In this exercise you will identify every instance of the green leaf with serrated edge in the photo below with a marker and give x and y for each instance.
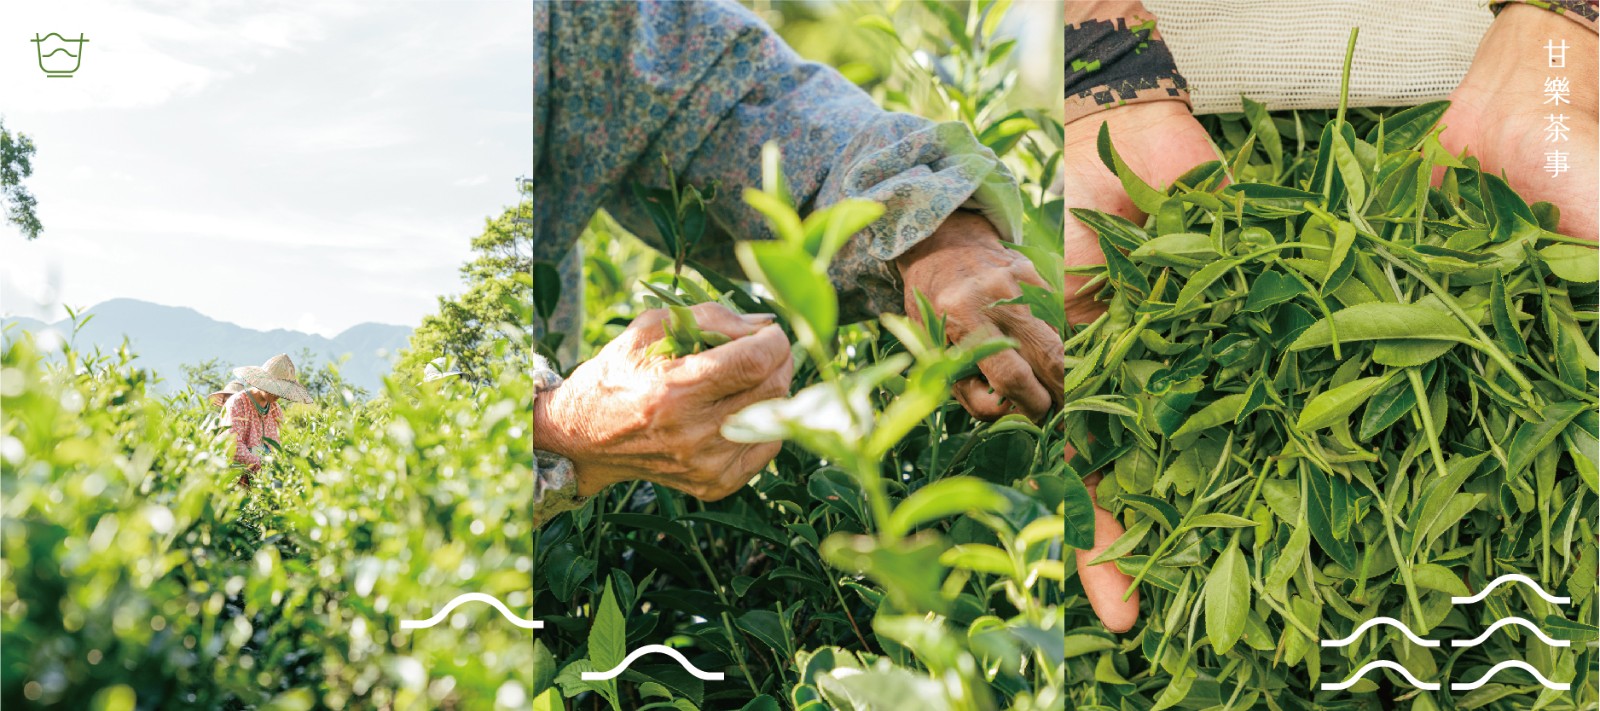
(1507, 212)
(1337, 403)
(946, 497)
(1271, 288)
(1120, 271)
(1386, 408)
(1405, 129)
(1154, 508)
(1125, 542)
(1118, 230)
(1574, 263)
(1227, 598)
(1379, 321)
(1221, 411)
(1144, 197)
(1266, 131)
(1328, 506)
(1078, 509)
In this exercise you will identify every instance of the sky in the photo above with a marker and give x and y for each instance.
(301, 165)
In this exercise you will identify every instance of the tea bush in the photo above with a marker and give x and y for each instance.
(898, 556)
(137, 575)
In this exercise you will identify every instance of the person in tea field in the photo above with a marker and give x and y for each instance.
(253, 414)
(619, 88)
(220, 398)
(1122, 72)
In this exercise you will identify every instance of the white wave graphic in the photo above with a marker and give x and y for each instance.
(1369, 624)
(1512, 663)
(1385, 664)
(471, 597)
(1518, 621)
(1510, 578)
(652, 649)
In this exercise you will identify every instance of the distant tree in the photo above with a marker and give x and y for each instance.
(466, 327)
(322, 379)
(207, 376)
(16, 163)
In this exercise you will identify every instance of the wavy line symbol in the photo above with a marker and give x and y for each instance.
(1513, 664)
(1369, 624)
(1510, 621)
(1510, 578)
(60, 51)
(1386, 664)
(471, 597)
(652, 649)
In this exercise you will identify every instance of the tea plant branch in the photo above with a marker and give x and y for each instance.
(1424, 413)
(1338, 121)
(722, 596)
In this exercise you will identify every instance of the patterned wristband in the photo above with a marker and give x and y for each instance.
(1583, 12)
(1118, 61)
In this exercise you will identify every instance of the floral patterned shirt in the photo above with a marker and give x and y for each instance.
(617, 86)
(250, 428)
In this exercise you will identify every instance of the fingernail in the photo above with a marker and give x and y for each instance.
(759, 318)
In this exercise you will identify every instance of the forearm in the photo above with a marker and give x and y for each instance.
(1115, 56)
(556, 486)
(242, 455)
(704, 86)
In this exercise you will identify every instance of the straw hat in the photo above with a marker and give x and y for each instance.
(275, 376)
(221, 396)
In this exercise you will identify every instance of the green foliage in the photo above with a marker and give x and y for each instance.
(896, 554)
(1329, 392)
(137, 575)
(472, 328)
(16, 163)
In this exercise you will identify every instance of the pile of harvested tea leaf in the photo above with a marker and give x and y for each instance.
(1329, 392)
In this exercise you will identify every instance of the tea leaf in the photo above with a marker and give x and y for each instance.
(1227, 598)
(1381, 321)
(1144, 197)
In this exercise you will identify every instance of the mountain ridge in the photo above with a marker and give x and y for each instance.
(168, 337)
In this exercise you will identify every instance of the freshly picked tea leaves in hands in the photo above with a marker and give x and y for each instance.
(1328, 391)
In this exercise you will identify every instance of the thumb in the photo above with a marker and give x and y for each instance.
(1104, 584)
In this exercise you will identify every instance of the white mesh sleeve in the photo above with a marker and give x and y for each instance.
(1288, 54)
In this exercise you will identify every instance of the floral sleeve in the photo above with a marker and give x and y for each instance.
(619, 85)
(242, 420)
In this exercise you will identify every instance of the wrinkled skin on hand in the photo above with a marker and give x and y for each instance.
(625, 415)
(1499, 113)
(1160, 141)
(963, 269)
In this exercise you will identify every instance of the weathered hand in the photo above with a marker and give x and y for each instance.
(624, 415)
(963, 269)
(1159, 140)
(1500, 112)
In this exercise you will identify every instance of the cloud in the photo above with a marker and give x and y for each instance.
(347, 151)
